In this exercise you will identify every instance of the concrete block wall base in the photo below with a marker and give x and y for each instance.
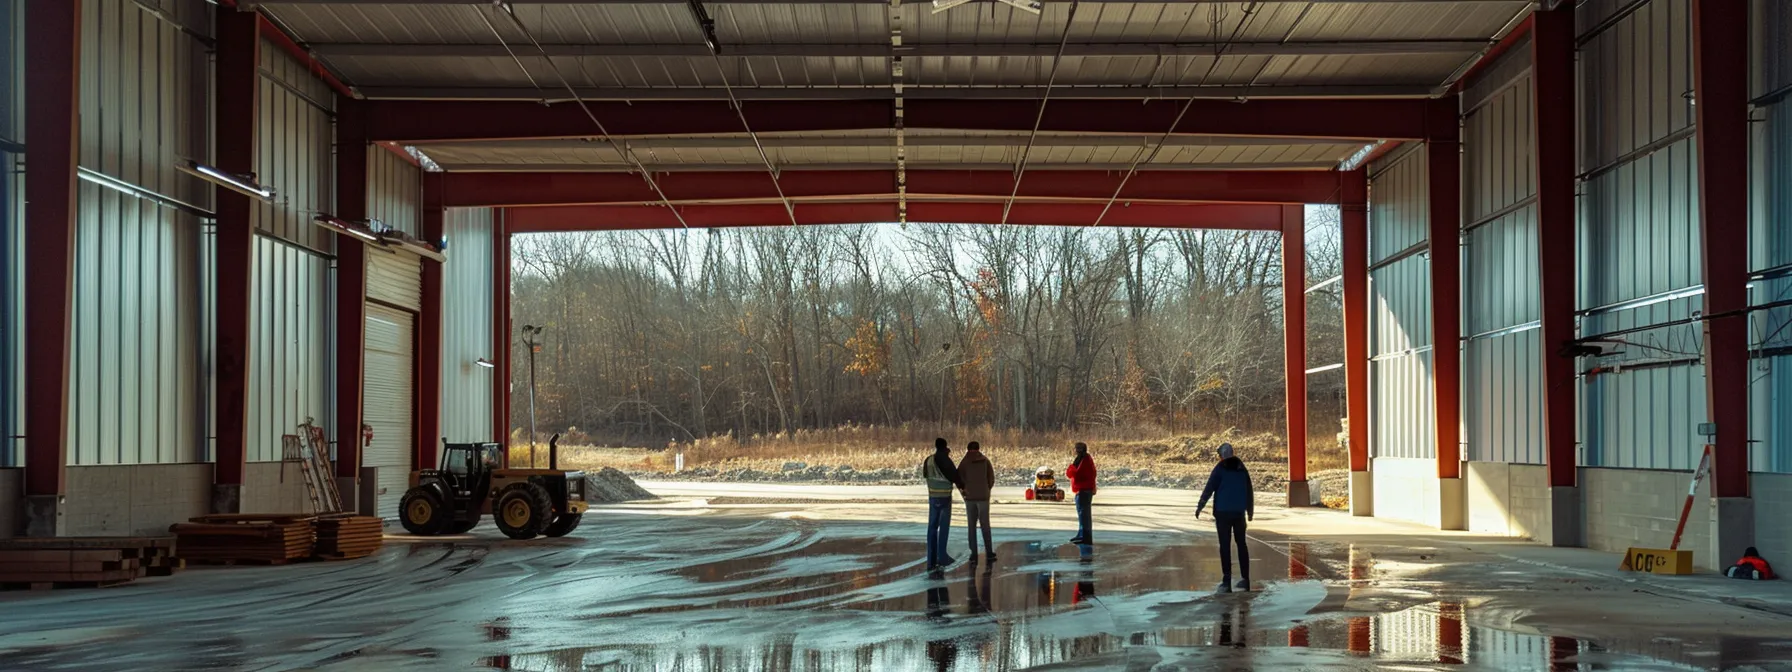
(350, 489)
(1564, 517)
(43, 516)
(1362, 494)
(1732, 531)
(1452, 504)
(1300, 493)
(227, 498)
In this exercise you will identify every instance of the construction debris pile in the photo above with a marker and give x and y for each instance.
(84, 562)
(277, 538)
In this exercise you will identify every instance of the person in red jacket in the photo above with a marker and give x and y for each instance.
(1081, 473)
(1751, 566)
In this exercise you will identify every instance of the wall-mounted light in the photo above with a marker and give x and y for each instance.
(243, 184)
(135, 191)
(341, 225)
(486, 363)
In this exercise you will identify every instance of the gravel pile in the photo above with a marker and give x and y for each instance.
(609, 485)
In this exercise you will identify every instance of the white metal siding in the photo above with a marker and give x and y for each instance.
(295, 156)
(1502, 394)
(1639, 232)
(387, 400)
(289, 341)
(135, 362)
(1771, 236)
(12, 279)
(1402, 418)
(395, 278)
(467, 326)
(394, 191)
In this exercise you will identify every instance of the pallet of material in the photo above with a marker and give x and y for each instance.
(343, 537)
(83, 562)
(270, 539)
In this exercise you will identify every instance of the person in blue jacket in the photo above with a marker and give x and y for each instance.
(1234, 502)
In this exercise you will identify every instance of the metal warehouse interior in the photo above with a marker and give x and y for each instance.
(1610, 182)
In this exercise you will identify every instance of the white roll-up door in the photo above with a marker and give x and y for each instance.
(395, 278)
(387, 401)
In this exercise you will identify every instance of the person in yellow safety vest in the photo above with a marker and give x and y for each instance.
(941, 476)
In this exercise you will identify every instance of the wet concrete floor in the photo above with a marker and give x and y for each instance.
(667, 587)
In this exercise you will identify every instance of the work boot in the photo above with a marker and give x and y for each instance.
(1225, 586)
(1244, 585)
(972, 558)
(992, 557)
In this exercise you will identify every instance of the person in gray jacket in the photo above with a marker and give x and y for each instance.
(1234, 502)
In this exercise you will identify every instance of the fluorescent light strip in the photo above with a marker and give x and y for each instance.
(485, 363)
(135, 191)
(1325, 283)
(1647, 301)
(227, 180)
(1323, 369)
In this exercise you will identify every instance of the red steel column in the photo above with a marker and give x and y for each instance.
(1354, 205)
(1721, 87)
(1552, 81)
(52, 132)
(351, 294)
(1294, 347)
(1720, 83)
(239, 90)
(1444, 157)
(429, 335)
(1449, 633)
(501, 354)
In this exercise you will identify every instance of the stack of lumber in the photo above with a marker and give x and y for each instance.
(246, 538)
(84, 562)
(342, 536)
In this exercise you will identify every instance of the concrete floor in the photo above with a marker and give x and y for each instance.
(787, 577)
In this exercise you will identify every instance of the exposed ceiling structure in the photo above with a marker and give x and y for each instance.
(889, 85)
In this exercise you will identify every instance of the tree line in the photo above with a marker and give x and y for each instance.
(657, 336)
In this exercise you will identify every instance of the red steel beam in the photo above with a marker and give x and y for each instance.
(1495, 52)
(351, 285)
(1444, 157)
(1720, 82)
(1242, 186)
(441, 121)
(52, 132)
(428, 432)
(501, 327)
(1552, 81)
(1355, 225)
(1294, 340)
(632, 217)
(238, 105)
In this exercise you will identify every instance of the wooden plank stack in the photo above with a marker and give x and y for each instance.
(246, 538)
(343, 536)
(84, 562)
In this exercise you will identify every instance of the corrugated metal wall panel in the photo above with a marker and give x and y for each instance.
(295, 156)
(394, 191)
(467, 325)
(1502, 400)
(289, 340)
(1773, 47)
(1639, 234)
(1772, 247)
(11, 215)
(395, 278)
(134, 361)
(1398, 220)
(388, 388)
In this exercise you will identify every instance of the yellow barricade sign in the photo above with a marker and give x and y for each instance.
(1657, 561)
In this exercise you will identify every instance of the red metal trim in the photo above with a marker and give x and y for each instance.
(238, 109)
(351, 284)
(628, 217)
(535, 189)
(410, 122)
(501, 331)
(52, 131)
(1355, 224)
(429, 336)
(286, 44)
(1294, 335)
(1552, 81)
(1720, 81)
(1493, 54)
(1444, 156)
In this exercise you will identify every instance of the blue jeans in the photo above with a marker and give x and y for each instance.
(939, 526)
(1082, 514)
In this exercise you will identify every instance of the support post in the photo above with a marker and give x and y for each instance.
(351, 296)
(1354, 206)
(1552, 82)
(1294, 348)
(52, 132)
(238, 111)
(1449, 633)
(1444, 157)
(429, 335)
(501, 328)
(1720, 85)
